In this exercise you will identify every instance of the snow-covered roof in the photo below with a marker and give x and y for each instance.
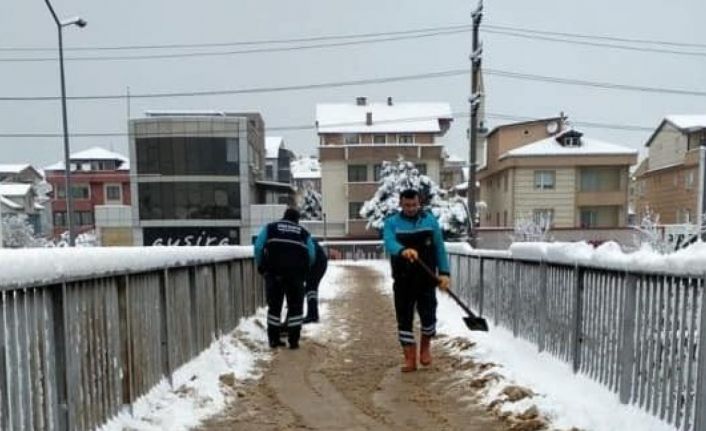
(9, 203)
(94, 153)
(13, 189)
(398, 117)
(305, 168)
(14, 169)
(272, 146)
(688, 122)
(551, 147)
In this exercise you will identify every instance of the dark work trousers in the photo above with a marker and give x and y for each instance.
(312, 298)
(409, 295)
(276, 288)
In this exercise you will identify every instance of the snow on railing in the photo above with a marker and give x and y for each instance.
(635, 323)
(86, 332)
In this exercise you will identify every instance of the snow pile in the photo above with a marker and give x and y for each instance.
(305, 168)
(201, 387)
(41, 265)
(688, 261)
(566, 399)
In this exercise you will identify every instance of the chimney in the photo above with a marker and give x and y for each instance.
(368, 118)
(389, 101)
(361, 101)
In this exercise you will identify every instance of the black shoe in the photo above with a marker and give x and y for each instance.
(294, 345)
(311, 319)
(276, 343)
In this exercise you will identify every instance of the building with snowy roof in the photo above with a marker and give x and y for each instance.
(546, 171)
(277, 170)
(99, 177)
(354, 140)
(668, 184)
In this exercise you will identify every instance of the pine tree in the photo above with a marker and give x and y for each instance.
(397, 176)
(310, 203)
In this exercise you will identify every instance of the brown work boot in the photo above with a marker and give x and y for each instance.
(425, 351)
(410, 358)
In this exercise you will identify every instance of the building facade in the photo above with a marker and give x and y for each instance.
(668, 184)
(278, 176)
(354, 140)
(33, 203)
(195, 176)
(98, 177)
(543, 171)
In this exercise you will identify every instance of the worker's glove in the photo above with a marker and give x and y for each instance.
(444, 282)
(410, 254)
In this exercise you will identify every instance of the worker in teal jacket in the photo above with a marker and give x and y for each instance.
(284, 253)
(410, 235)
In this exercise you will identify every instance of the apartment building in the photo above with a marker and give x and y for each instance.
(354, 140)
(15, 198)
(196, 175)
(553, 174)
(669, 182)
(278, 173)
(98, 177)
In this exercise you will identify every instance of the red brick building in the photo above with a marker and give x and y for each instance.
(98, 177)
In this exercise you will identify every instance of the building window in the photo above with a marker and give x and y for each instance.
(544, 180)
(357, 173)
(589, 218)
(377, 172)
(113, 193)
(505, 181)
(421, 168)
(351, 139)
(543, 217)
(189, 200)
(188, 155)
(688, 180)
(60, 218)
(505, 218)
(83, 218)
(379, 139)
(80, 191)
(269, 172)
(354, 210)
(599, 180)
(406, 139)
(683, 215)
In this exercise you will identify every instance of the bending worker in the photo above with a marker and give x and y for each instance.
(410, 235)
(284, 252)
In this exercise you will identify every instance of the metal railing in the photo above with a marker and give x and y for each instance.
(74, 352)
(641, 334)
(354, 250)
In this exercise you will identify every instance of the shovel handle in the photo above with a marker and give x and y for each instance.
(449, 291)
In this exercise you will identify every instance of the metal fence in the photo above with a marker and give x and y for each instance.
(640, 334)
(354, 250)
(74, 352)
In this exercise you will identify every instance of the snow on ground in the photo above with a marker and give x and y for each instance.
(566, 399)
(331, 286)
(197, 391)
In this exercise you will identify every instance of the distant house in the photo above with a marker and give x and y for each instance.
(277, 172)
(452, 172)
(668, 184)
(354, 140)
(306, 171)
(545, 171)
(98, 177)
(16, 199)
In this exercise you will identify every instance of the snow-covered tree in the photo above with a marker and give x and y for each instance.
(652, 234)
(85, 239)
(395, 177)
(533, 228)
(17, 232)
(310, 202)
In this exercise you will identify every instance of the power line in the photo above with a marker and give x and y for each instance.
(338, 84)
(596, 36)
(239, 52)
(243, 43)
(304, 127)
(596, 44)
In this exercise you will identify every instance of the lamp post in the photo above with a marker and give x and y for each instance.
(79, 22)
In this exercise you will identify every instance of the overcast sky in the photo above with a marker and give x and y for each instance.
(27, 24)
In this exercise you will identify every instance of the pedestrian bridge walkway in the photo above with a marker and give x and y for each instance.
(84, 333)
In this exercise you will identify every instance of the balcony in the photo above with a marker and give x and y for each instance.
(617, 197)
(380, 152)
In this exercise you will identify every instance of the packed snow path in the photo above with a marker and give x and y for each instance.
(346, 376)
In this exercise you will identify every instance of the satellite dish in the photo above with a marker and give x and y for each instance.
(552, 127)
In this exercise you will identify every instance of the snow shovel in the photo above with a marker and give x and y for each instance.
(473, 322)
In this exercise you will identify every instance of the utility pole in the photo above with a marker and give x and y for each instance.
(474, 101)
(702, 191)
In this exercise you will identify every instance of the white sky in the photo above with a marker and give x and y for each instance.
(28, 24)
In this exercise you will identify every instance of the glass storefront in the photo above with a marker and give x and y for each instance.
(184, 155)
(189, 200)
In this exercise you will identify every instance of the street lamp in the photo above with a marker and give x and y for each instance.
(79, 22)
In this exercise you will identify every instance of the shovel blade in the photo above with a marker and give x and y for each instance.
(476, 323)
